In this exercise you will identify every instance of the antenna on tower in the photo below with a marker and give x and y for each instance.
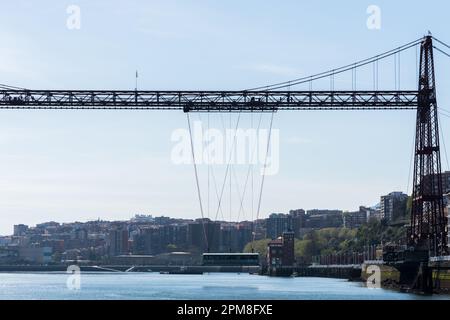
(136, 86)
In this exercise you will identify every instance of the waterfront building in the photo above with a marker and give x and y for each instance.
(445, 177)
(228, 238)
(280, 251)
(38, 255)
(356, 219)
(393, 205)
(172, 236)
(319, 219)
(147, 241)
(260, 229)
(9, 254)
(277, 223)
(118, 241)
(204, 234)
(298, 217)
(244, 235)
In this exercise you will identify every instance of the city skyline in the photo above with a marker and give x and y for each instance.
(147, 238)
(182, 217)
(147, 216)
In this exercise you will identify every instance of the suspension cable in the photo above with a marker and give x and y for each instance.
(264, 171)
(443, 143)
(8, 87)
(213, 176)
(251, 164)
(377, 77)
(208, 169)
(399, 71)
(338, 70)
(417, 63)
(373, 75)
(413, 148)
(252, 198)
(395, 71)
(444, 110)
(442, 51)
(441, 42)
(240, 195)
(228, 166)
(231, 178)
(197, 181)
(444, 114)
(249, 170)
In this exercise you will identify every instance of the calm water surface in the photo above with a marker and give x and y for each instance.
(208, 286)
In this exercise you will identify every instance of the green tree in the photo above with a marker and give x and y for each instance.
(258, 246)
(305, 249)
(337, 240)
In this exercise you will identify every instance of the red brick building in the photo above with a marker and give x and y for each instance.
(280, 251)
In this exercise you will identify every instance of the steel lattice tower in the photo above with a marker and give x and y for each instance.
(428, 230)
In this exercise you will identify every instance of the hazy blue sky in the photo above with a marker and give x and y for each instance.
(80, 165)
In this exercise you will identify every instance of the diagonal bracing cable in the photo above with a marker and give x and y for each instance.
(212, 174)
(197, 181)
(413, 147)
(249, 170)
(443, 143)
(264, 172)
(228, 166)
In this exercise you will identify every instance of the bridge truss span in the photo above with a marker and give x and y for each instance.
(208, 101)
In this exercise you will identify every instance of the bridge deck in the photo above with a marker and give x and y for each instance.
(208, 101)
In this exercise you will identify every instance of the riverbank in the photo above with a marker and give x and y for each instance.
(128, 268)
(390, 278)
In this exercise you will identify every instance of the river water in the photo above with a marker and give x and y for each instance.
(54, 285)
